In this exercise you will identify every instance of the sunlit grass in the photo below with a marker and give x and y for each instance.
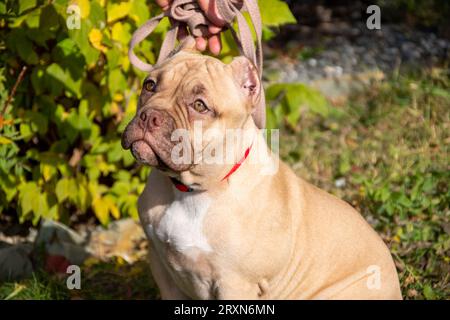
(388, 155)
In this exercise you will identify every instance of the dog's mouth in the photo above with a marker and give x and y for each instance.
(144, 153)
(153, 146)
(157, 154)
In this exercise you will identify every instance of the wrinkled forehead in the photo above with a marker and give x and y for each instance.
(192, 70)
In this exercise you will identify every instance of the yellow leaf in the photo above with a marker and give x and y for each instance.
(118, 11)
(101, 210)
(116, 32)
(85, 7)
(118, 97)
(95, 38)
(121, 33)
(104, 167)
(115, 212)
(112, 207)
(120, 261)
(104, 207)
(132, 104)
(125, 63)
(47, 171)
(91, 261)
(115, 109)
(4, 140)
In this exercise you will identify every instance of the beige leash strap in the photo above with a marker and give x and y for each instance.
(189, 13)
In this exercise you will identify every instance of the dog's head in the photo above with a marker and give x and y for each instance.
(188, 90)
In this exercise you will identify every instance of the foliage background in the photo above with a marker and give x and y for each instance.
(60, 152)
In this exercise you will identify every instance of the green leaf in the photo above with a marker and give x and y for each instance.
(66, 188)
(139, 11)
(293, 96)
(25, 5)
(4, 140)
(84, 198)
(428, 292)
(49, 19)
(61, 78)
(113, 56)
(33, 19)
(97, 15)
(81, 38)
(275, 13)
(79, 124)
(40, 207)
(8, 183)
(28, 197)
(39, 123)
(25, 131)
(52, 213)
(439, 92)
(116, 81)
(24, 47)
(115, 152)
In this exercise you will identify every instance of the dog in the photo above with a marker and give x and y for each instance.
(237, 230)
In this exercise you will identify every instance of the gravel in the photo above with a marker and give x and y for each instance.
(353, 50)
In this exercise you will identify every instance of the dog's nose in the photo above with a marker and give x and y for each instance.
(152, 119)
(155, 120)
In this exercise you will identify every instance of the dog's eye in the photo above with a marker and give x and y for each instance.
(150, 85)
(200, 106)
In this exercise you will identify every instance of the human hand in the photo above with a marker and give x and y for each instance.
(209, 7)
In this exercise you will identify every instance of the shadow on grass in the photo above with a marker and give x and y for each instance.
(114, 279)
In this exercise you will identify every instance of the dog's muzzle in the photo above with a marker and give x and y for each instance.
(148, 136)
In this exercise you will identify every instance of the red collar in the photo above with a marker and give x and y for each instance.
(184, 188)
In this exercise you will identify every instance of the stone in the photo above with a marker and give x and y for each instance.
(60, 240)
(15, 263)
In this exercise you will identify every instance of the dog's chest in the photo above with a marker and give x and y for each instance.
(181, 225)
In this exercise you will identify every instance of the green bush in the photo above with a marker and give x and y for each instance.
(60, 152)
(429, 13)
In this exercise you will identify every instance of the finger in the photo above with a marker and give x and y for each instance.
(210, 9)
(164, 4)
(215, 44)
(204, 5)
(214, 29)
(201, 43)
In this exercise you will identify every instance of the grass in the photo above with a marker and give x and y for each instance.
(100, 280)
(387, 153)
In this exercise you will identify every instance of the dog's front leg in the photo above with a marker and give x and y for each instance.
(233, 286)
(167, 286)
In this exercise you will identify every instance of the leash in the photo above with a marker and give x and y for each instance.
(189, 13)
(184, 188)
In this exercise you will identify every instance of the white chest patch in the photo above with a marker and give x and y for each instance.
(182, 223)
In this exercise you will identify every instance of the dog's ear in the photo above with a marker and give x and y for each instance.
(247, 77)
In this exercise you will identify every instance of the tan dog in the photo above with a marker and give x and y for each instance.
(241, 234)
